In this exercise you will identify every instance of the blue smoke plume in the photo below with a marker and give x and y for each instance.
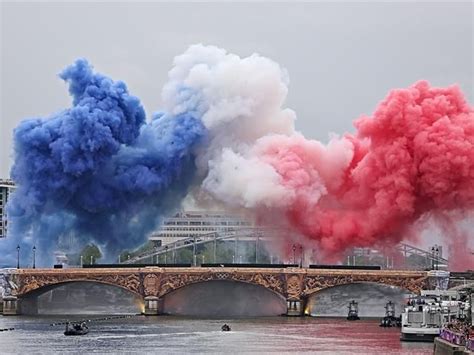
(97, 170)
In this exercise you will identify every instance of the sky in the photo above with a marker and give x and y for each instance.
(342, 57)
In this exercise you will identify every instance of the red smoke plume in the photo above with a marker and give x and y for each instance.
(414, 156)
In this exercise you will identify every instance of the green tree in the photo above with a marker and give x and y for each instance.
(90, 254)
(125, 255)
(184, 255)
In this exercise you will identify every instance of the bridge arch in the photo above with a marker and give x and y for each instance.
(371, 297)
(29, 282)
(81, 297)
(368, 283)
(218, 298)
(313, 284)
(53, 285)
(172, 282)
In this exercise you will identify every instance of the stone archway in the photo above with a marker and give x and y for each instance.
(223, 298)
(312, 284)
(80, 297)
(370, 296)
(159, 285)
(35, 280)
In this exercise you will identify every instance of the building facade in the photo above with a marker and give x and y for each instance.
(6, 188)
(188, 224)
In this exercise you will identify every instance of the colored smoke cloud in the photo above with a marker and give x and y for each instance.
(414, 157)
(99, 170)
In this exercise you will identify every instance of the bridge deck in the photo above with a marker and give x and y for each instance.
(242, 270)
(290, 282)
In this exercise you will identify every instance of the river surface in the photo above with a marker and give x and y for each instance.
(174, 335)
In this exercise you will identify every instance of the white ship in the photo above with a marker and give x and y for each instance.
(425, 315)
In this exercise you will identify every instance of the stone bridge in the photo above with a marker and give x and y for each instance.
(153, 283)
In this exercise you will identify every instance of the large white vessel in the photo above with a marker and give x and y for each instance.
(425, 315)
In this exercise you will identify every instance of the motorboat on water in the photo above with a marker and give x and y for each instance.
(353, 313)
(390, 320)
(76, 329)
(424, 316)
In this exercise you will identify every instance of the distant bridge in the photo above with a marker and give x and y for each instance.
(295, 285)
(254, 234)
(258, 235)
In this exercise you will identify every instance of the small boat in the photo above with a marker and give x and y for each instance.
(76, 329)
(390, 320)
(225, 328)
(353, 311)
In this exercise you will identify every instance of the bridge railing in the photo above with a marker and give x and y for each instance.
(200, 239)
(429, 257)
(426, 260)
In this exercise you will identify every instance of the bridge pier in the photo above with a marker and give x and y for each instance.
(10, 306)
(28, 305)
(153, 306)
(294, 308)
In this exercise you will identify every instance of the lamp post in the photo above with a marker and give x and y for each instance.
(34, 257)
(294, 253)
(194, 251)
(166, 255)
(256, 249)
(215, 247)
(435, 254)
(235, 248)
(18, 256)
(82, 261)
(432, 258)
(301, 256)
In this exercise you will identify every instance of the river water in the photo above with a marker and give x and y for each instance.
(172, 335)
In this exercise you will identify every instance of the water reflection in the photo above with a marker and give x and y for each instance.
(166, 334)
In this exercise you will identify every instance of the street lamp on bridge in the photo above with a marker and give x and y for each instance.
(194, 251)
(294, 253)
(34, 257)
(435, 255)
(18, 256)
(301, 256)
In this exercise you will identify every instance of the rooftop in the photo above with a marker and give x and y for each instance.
(7, 183)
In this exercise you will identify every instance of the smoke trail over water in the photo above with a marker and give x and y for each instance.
(98, 169)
